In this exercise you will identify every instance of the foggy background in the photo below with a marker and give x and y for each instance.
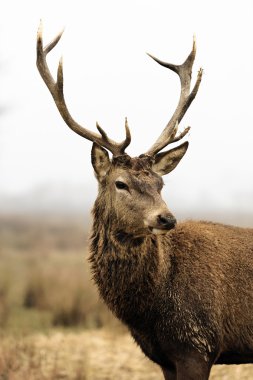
(45, 167)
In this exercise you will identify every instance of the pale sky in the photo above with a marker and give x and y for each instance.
(108, 76)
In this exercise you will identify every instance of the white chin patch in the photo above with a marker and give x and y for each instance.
(157, 231)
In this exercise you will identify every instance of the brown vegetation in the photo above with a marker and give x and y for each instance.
(87, 355)
(31, 347)
(44, 272)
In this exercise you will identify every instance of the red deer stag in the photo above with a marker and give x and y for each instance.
(184, 290)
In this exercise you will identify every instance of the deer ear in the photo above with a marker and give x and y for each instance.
(165, 162)
(100, 161)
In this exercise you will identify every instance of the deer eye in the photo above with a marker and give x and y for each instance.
(121, 185)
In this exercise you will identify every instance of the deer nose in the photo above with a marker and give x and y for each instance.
(166, 221)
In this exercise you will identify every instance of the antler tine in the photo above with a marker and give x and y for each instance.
(184, 72)
(56, 90)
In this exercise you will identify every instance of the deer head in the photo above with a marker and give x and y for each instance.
(130, 187)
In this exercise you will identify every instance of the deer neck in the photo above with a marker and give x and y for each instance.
(125, 268)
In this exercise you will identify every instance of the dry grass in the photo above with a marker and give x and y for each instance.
(90, 355)
(44, 275)
(45, 286)
(63, 287)
(4, 302)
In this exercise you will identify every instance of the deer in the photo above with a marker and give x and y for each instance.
(184, 290)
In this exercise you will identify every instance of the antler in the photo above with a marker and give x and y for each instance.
(184, 71)
(56, 89)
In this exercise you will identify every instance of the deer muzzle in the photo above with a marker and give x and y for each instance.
(166, 222)
(160, 223)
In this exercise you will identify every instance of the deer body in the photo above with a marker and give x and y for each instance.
(185, 291)
(188, 290)
(188, 293)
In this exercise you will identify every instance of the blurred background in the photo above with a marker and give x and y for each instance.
(45, 167)
(47, 187)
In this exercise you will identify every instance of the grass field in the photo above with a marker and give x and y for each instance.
(87, 355)
(52, 323)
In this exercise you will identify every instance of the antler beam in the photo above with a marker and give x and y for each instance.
(184, 72)
(56, 89)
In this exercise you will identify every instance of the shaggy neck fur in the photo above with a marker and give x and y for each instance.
(125, 267)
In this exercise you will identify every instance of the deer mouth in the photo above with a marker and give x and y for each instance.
(164, 223)
(159, 231)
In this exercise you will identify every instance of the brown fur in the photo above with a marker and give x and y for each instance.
(186, 296)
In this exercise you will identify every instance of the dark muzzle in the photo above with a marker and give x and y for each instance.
(166, 222)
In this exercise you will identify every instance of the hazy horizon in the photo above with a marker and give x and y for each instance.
(108, 76)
